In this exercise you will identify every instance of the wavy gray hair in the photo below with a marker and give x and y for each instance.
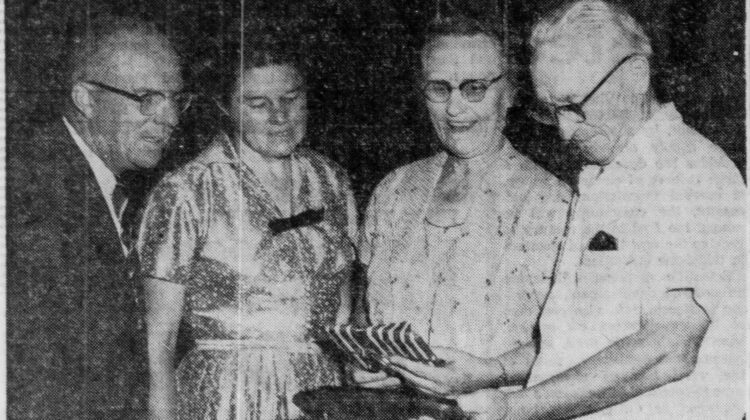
(592, 22)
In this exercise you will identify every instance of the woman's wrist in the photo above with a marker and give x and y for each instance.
(488, 373)
(497, 373)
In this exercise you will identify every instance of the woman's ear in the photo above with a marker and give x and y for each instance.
(82, 99)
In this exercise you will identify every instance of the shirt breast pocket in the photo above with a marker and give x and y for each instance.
(601, 267)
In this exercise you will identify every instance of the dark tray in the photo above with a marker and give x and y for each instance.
(333, 403)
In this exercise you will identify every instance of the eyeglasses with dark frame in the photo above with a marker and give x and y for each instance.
(152, 100)
(473, 90)
(549, 114)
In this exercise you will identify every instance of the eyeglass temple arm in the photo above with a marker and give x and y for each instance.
(605, 78)
(497, 78)
(124, 93)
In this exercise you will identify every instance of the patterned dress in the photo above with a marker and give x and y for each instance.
(256, 301)
(478, 286)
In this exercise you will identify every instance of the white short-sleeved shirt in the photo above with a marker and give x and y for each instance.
(675, 206)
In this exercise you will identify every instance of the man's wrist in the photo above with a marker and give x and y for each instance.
(486, 403)
(522, 404)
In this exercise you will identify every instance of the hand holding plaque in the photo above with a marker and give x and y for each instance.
(371, 348)
(461, 373)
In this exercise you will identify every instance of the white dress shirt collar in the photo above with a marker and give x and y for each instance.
(104, 176)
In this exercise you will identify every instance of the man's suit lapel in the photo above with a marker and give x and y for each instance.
(106, 287)
(87, 196)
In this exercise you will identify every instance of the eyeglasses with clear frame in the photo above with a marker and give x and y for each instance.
(150, 101)
(549, 114)
(473, 90)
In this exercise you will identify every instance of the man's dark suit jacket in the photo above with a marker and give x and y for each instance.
(76, 347)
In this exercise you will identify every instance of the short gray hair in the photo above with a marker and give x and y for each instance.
(592, 20)
(95, 49)
(459, 25)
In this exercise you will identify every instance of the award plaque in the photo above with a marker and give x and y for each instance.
(367, 346)
(340, 403)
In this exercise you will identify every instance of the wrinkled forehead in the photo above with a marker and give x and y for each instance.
(564, 70)
(459, 57)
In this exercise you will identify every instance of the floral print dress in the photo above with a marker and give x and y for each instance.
(256, 301)
(478, 286)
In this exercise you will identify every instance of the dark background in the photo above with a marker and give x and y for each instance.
(364, 110)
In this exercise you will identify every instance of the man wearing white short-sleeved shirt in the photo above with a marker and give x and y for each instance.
(645, 318)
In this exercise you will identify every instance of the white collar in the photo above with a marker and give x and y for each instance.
(638, 153)
(104, 177)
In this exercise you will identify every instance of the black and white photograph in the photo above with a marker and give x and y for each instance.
(375, 210)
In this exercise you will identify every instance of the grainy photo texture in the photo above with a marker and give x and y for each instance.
(340, 209)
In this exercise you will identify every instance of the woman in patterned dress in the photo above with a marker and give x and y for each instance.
(462, 244)
(251, 242)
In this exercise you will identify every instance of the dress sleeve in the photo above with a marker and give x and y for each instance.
(379, 216)
(351, 215)
(170, 230)
(369, 229)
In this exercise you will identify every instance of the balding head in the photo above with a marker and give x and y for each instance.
(118, 63)
(108, 41)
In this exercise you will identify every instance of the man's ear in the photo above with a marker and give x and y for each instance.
(82, 99)
(640, 72)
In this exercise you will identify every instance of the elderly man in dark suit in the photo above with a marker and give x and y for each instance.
(75, 347)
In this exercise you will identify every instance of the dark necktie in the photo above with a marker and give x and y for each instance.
(119, 199)
(125, 209)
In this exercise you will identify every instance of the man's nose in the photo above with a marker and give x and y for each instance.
(168, 114)
(456, 103)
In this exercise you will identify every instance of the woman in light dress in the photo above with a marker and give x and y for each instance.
(462, 244)
(251, 243)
